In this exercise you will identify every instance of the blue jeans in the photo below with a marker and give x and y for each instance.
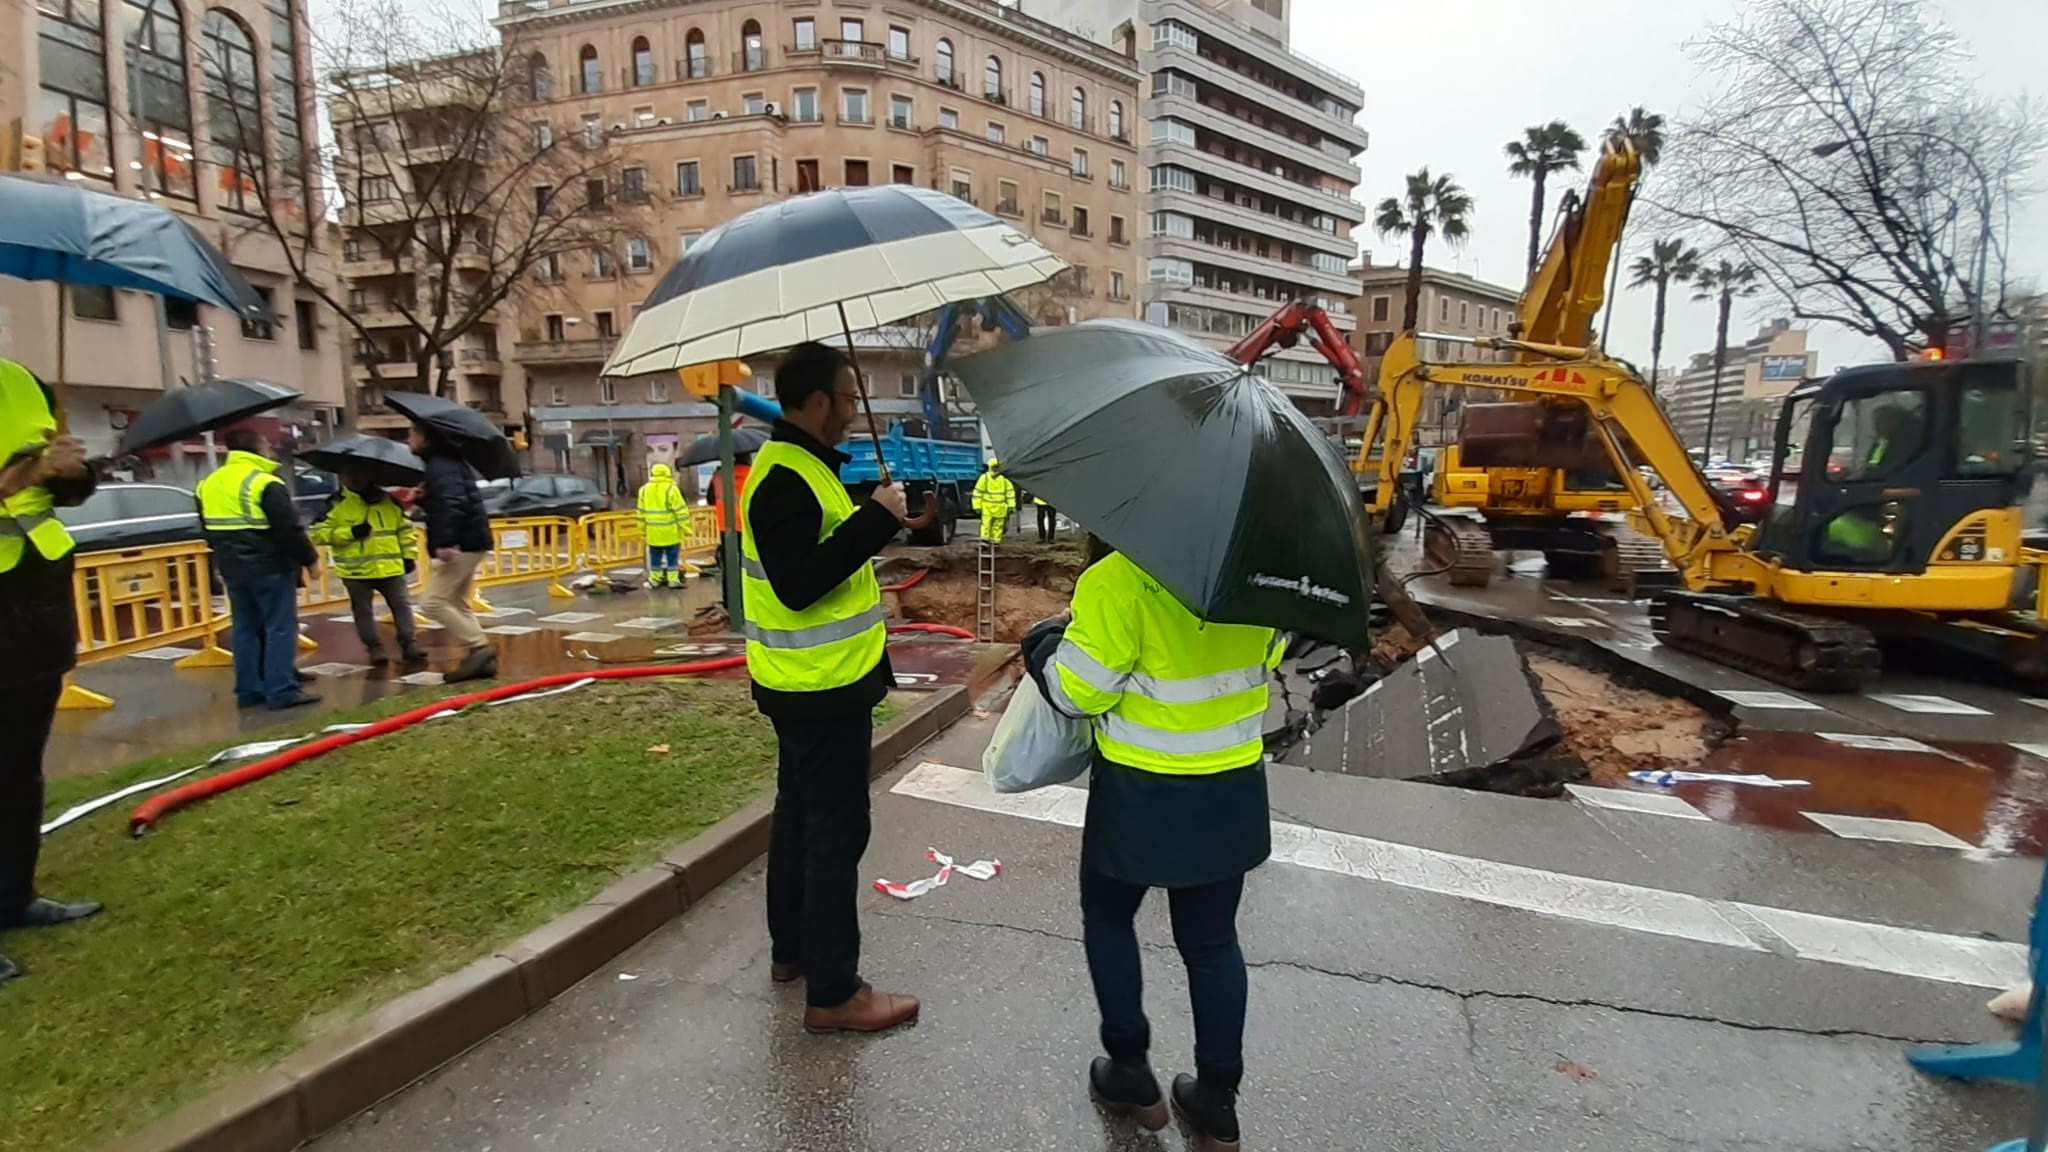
(265, 638)
(1205, 932)
(664, 557)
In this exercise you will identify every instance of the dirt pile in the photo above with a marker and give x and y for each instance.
(1033, 582)
(1617, 729)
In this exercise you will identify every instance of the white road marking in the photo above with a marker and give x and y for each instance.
(2035, 701)
(424, 679)
(593, 637)
(1906, 952)
(512, 630)
(502, 613)
(649, 623)
(1769, 700)
(1877, 743)
(1889, 831)
(2037, 750)
(335, 668)
(171, 653)
(572, 618)
(1927, 705)
(1572, 622)
(1628, 800)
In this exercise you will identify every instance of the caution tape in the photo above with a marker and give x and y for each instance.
(979, 870)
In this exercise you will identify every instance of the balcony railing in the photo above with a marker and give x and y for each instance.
(995, 94)
(946, 79)
(750, 60)
(696, 68)
(855, 53)
(564, 351)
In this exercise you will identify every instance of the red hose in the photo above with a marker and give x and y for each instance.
(912, 581)
(157, 807)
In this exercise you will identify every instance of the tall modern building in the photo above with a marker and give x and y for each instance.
(1758, 373)
(1250, 154)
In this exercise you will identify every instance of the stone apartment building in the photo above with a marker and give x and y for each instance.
(710, 109)
(1452, 304)
(1758, 374)
(170, 102)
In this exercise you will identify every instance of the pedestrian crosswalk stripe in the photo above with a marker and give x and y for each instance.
(1927, 705)
(1629, 800)
(1769, 700)
(1890, 831)
(1910, 952)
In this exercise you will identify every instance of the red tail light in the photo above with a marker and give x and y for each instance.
(1753, 494)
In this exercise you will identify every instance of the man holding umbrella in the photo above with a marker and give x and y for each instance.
(458, 537)
(374, 548)
(259, 549)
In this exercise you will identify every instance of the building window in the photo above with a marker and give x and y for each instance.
(1167, 178)
(93, 302)
(543, 136)
(754, 103)
(1077, 109)
(744, 176)
(558, 395)
(856, 173)
(899, 43)
(803, 104)
(1173, 34)
(942, 64)
(638, 258)
(683, 242)
(1380, 305)
(540, 83)
(180, 314)
(633, 184)
(1080, 164)
(254, 328)
(1116, 121)
(1328, 262)
(1167, 82)
(1171, 271)
(601, 263)
(1081, 222)
(963, 185)
(1116, 231)
(234, 112)
(594, 195)
(906, 384)
(1443, 310)
(552, 325)
(900, 112)
(995, 132)
(807, 178)
(1038, 144)
(643, 62)
(696, 57)
(643, 116)
(549, 270)
(158, 97)
(992, 80)
(1170, 131)
(697, 110)
(1053, 212)
(1464, 313)
(853, 106)
(949, 119)
(1116, 286)
(902, 174)
(302, 323)
(687, 183)
(803, 34)
(851, 30)
(607, 390)
(657, 390)
(1119, 176)
(72, 51)
(376, 189)
(1173, 224)
(1006, 197)
(606, 327)
(753, 54)
(1037, 104)
(589, 77)
(593, 130)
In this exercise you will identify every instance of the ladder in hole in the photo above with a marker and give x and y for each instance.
(985, 592)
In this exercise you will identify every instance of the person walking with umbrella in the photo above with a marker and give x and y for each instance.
(374, 548)
(995, 497)
(663, 514)
(458, 538)
(259, 550)
(38, 631)
(816, 652)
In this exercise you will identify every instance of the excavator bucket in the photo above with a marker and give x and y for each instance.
(1528, 435)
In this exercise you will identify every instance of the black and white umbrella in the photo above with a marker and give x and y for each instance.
(815, 266)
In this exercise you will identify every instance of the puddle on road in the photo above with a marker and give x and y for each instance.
(1991, 795)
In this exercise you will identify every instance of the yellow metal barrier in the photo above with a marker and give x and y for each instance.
(138, 600)
(610, 540)
(530, 548)
(703, 537)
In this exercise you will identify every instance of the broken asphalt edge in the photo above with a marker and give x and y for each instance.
(341, 1073)
(1627, 672)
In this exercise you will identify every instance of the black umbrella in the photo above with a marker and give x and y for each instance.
(704, 449)
(1204, 474)
(382, 459)
(187, 412)
(465, 430)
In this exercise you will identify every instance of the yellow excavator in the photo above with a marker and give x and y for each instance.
(1903, 527)
(1529, 470)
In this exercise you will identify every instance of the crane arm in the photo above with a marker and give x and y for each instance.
(1287, 326)
(1565, 294)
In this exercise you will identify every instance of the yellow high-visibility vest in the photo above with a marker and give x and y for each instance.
(835, 641)
(29, 516)
(382, 554)
(231, 499)
(1169, 692)
(663, 511)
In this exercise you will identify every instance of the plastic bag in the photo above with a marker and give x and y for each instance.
(1035, 744)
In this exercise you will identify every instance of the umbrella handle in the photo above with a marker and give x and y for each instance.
(860, 383)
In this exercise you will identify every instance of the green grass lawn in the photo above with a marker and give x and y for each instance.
(250, 920)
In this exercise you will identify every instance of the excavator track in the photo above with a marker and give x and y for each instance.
(1633, 563)
(1461, 549)
(1796, 649)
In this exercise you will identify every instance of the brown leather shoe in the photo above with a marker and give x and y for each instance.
(866, 1011)
(784, 973)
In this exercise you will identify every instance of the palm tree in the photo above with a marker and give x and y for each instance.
(1642, 128)
(1668, 261)
(1721, 282)
(1431, 204)
(1542, 150)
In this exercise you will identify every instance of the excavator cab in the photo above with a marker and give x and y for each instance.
(1903, 469)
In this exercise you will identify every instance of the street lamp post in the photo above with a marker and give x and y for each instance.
(1978, 315)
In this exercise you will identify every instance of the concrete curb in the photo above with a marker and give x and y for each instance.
(339, 1074)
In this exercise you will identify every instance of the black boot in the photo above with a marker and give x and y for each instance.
(9, 970)
(1207, 1108)
(477, 664)
(1129, 1089)
(43, 912)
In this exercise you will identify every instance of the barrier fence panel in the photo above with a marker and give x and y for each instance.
(530, 548)
(610, 540)
(703, 538)
(143, 599)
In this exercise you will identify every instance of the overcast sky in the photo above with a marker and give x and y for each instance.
(1448, 82)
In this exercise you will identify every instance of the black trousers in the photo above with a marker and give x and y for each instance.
(1205, 932)
(1048, 523)
(362, 601)
(819, 833)
(27, 709)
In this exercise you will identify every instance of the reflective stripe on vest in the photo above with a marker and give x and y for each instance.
(837, 640)
(379, 555)
(26, 517)
(243, 512)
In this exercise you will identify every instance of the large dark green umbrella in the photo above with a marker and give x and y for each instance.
(1202, 473)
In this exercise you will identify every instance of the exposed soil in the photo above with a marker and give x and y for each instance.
(1033, 582)
(1616, 729)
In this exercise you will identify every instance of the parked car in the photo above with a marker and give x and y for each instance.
(570, 496)
(118, 517)
(1749, 495)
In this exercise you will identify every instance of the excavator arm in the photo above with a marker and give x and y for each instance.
(1287, 327)
(1566, 292)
